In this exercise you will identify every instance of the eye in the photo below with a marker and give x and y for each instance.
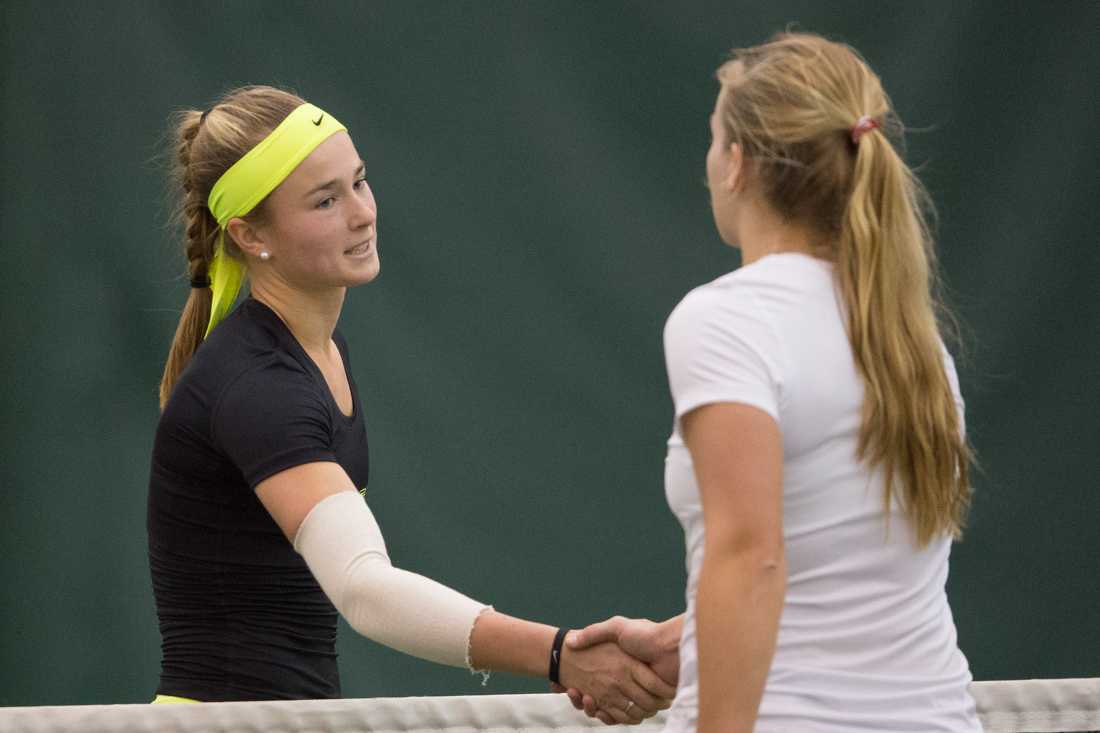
(324, 204)
(361, 180)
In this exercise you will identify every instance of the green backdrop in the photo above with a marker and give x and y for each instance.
(538, 167)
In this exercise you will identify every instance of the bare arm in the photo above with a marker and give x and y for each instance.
(738, 458)
(290, 495)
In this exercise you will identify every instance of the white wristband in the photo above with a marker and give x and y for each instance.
(343, 547)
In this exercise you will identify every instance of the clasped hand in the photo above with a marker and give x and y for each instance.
(619, 671)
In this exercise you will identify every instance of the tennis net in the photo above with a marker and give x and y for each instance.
(1023, 706)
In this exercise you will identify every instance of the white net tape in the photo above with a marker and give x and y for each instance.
(1031, 706)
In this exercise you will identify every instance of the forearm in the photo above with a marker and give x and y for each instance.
(738, 604)
(343, 547)
(503, 643)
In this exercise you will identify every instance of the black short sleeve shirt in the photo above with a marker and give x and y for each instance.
(241, 616)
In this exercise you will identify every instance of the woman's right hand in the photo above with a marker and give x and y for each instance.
(627, 690)
(656, 644)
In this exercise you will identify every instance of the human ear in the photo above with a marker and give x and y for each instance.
(247, 237)
(734, 178)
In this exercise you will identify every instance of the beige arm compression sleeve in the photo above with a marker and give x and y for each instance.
(343, 547)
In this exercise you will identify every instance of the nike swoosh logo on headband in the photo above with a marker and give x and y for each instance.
(318, 120)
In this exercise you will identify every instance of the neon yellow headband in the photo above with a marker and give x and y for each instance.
(248, 181)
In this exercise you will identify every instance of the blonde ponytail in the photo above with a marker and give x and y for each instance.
(885, 273)
(802, 107)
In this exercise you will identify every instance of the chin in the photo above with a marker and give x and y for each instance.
(368, 274)
(354, 279)
(353, 282)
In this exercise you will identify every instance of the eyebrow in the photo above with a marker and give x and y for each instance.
(334, 181)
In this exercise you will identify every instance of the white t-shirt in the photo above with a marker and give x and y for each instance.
(866, 639)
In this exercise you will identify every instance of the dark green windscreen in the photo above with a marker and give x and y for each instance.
(538, 167)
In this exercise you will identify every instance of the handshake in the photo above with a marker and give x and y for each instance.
(621, 671)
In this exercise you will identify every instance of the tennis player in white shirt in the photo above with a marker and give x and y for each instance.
(818, 461)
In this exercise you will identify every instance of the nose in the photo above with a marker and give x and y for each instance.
(362, 212)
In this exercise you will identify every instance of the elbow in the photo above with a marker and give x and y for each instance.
(774, 563)
(360, 601)
(768, 567)
(756, 576)
(763, 559)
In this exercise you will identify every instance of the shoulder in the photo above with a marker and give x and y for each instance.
(251, 328)
(763, 294)
(273, 372)
(720, 346)
(256, 370)
(240, 347)
(731, 301)
(271, 401)
(721, 323)
(250, 341)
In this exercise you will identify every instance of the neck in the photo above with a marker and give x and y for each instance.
(311, 316)
(762, 232)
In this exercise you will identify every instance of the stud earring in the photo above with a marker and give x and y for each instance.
(265, 255)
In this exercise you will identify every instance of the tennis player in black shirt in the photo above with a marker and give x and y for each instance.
(258, 534)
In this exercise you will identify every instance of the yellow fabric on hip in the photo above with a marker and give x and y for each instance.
(163, 699)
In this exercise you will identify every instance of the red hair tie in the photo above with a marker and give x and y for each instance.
(864, 124)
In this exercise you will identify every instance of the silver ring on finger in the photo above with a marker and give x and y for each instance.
(629, 705)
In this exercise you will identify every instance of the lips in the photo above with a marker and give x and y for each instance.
(360, 249)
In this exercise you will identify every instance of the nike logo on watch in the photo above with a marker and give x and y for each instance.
(555, 656)
(318, 120)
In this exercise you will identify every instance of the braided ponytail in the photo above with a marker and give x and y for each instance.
(201, 230)
(207, 145)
